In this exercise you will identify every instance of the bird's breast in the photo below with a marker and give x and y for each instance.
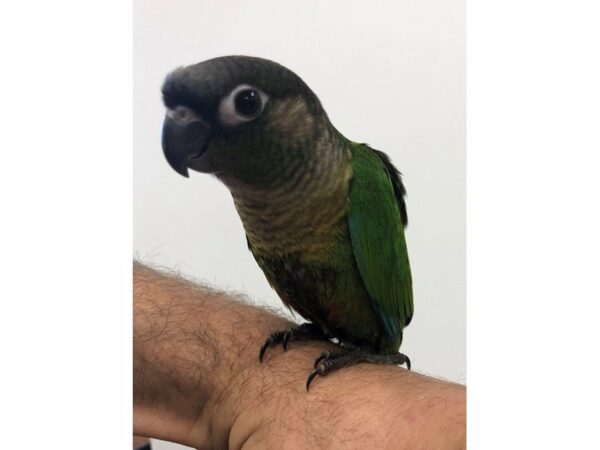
(309, 219)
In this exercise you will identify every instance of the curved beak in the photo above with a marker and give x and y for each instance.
(185, 136)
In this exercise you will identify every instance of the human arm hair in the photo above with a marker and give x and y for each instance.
(198, 381)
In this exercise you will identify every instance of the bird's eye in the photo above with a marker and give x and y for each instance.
(243, 104)
(248, 102)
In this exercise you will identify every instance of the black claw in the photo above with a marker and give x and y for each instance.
(264, 348)
(329, 361)
(312, 375)
(286, 337)
(321, 357)
(303, 332)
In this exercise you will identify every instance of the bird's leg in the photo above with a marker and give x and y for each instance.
(330, 361)
(306, 331)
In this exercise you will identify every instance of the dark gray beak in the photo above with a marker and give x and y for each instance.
(185, 136)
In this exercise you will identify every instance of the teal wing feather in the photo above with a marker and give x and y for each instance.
(375, 218)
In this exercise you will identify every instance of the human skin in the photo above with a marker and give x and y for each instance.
(198, 381)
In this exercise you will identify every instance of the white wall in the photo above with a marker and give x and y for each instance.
(390, 73)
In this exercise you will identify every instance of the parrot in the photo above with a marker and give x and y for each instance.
(324, 216)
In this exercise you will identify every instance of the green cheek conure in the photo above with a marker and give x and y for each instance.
(324, 216)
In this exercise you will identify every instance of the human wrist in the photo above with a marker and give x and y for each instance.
(195, 352)
(173, 359)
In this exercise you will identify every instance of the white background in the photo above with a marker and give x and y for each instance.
(65, 191)
(388, 73)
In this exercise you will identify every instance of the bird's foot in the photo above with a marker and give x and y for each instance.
(329, 361)
(306, 331)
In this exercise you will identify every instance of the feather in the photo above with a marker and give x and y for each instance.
(376, 216)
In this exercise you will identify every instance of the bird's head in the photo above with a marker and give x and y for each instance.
(239, 118)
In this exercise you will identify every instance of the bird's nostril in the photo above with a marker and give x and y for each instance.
(181, 113)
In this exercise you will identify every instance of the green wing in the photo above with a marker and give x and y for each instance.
(375, 217)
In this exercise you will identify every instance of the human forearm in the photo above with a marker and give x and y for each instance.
(198, 381)
(191, 346)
